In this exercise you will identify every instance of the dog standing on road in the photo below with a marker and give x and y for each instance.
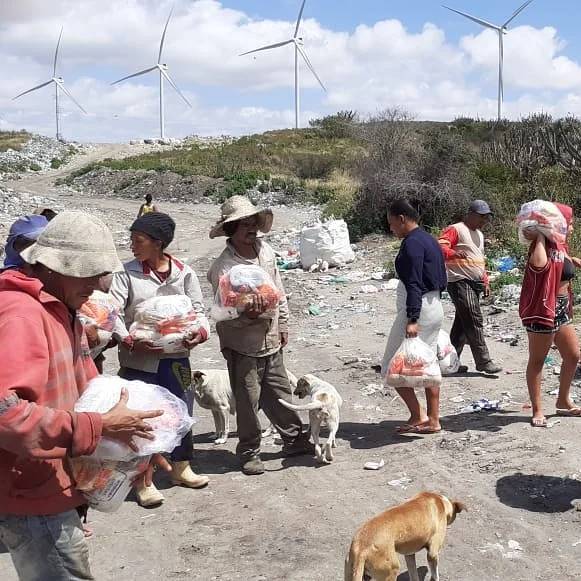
(420, 523)
(323, 410)
(212, 391)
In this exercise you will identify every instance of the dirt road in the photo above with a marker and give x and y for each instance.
(295, 522)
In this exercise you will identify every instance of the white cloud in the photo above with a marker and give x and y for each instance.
(369, 68)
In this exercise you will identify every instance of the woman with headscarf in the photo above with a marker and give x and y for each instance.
(546, 311)
(23, 233)
(152, 273)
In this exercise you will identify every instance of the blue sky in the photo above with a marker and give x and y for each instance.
(371, 54)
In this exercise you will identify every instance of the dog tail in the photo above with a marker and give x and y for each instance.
(354, 566)
(313, 405)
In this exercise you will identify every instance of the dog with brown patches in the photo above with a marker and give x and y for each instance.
(420, 523)
(323, 411)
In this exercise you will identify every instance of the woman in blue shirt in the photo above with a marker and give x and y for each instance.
(422, 273)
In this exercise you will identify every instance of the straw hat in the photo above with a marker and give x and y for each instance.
(237, 208)
(75, 244)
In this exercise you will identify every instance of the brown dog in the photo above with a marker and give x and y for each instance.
(420, 523)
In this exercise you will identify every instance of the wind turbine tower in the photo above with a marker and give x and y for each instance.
(297, 42)
(501, 30)
(59, 85)
(162, 68)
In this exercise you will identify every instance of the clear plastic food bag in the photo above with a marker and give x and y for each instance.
(165, 321)
(106, 483)
(237, 289)
(414, 365)
(101, 310)
(104, 392)
(542, 217)
(447, 356)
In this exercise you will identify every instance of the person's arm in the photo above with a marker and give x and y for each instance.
(26, 428)
(283, 310)
(538, 257)
(448, 240)
(194, 292)
(140, 211)
(410, 270)
(119, 290)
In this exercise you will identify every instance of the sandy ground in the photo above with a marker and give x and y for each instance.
(295, 522)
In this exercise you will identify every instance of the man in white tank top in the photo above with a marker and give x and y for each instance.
(463, 248)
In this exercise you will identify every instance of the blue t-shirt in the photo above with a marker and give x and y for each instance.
(420, 266)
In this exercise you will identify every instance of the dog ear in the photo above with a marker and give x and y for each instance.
(459, 506)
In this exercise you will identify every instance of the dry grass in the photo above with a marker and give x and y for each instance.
(13, 139)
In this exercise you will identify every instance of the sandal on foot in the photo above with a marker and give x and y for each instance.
(573, 412)
(419, 430)
(539, 422)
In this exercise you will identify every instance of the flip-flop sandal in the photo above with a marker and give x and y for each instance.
(539, 422)
(569, 412)
(404, 429)
(408, 429)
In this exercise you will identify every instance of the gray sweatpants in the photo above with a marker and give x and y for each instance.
(258, 383)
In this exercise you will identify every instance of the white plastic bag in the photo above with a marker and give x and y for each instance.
(236, 291)
(101, 310)
(542, 217)
(165, 321)
(106, 483)
(104, 392)
(326, 242)
(447, 356)
(414, 365)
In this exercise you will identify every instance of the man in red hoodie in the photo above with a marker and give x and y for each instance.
(45, 365)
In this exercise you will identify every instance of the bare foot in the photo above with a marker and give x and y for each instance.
(411, 424)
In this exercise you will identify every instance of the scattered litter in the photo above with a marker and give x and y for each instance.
(457, 399)
(504, 263)
(400, 482)
(379, 275)
(326, 242)
(368, 289)
(315, 310)
(510, 293)
(371, 388)
(392, 284)
(557, 370)
(374, 465)
(550, 361)
(483, 404)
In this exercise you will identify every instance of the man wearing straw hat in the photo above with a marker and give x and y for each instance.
(45, 365)
(252, 344)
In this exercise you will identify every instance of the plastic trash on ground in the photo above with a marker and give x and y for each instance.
(505, 263)
(542, 217)
(414, 365)
(100, 310)
(165, 321)
(483, 404)
(237, 289)
(328, 242)
(447, 356)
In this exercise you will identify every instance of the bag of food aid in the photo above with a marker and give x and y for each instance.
(414, 365)
(165, 321)
(541, 217)
(104, 392)
(237, 289)
(106, 483)
(447, 356)
(101, 310)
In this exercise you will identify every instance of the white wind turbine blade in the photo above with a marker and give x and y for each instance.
(299, 19)
(169, 80)
(308, 62)
(136, 74)
(56, 53)
(473, 18)
(501, 65)
(269, 47)
(516, 13)
(34, 89)
(66, 92)
(163, 36)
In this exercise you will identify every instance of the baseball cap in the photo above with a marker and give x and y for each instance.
(480, 207)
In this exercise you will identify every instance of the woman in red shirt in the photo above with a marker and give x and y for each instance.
(546, 310)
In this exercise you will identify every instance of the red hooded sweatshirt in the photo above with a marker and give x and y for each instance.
(44, 367)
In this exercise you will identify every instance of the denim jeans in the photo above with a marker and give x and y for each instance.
(47, 548)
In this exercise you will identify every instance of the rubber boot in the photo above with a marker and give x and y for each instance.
(183, 475)
(148, 495)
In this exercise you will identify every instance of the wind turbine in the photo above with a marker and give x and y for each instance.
(59, 84)
(163, 74)
(297, 41)
(501, 31)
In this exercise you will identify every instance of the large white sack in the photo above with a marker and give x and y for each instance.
(326, 241)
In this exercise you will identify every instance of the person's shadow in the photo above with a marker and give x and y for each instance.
(537, 493)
